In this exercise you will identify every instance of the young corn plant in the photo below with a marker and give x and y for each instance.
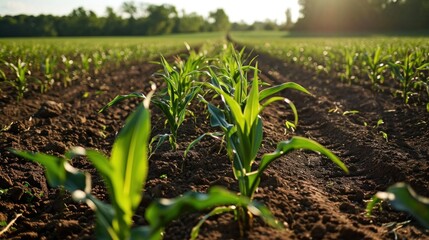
(348, 65)
(67, 70)
(2, 75)
(181, 89)
(244, 134)
(85, 61)
(48, 68)
(403, 198)
(375, 66)
(407, 73)
(124, 175)
(231, 76)
(20, 82)
(232, 72)
(2, 78)
(98, 62)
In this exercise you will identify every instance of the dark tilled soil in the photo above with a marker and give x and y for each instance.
(305, 191)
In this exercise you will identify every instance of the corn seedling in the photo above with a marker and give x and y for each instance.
(20, 82)
(48, 68)
(232, 71)
(367, 59)
(67, 70)
(124, 175)
(350, 112)
(375, 66)
(350, 56)
(85, 62)
(174, 99)
(403, 198)
(244, 133)
(405, 73)
(98, 61)
(2, 75)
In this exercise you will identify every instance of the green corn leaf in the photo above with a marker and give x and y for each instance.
(295, 143)
(275, 89)
(59, 172)
(295, 112)
(144, 233)
(372, 203)
(256, 135)
(289, 102)
(2, 75)
(196, 141)
(105, 215)
(233, 105)
(217, 117)
(166, 65)
(101, 163)
(423, 67)
(377, 55)
(120, 98)
(54, 166)
(129, 160)
(251, 109)
(163, 211)
(217, 211)
(403, 198)
(167, 110)
(104, 168)
(159, 139)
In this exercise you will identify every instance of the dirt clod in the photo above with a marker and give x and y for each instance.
(318, 231)
(49, 109)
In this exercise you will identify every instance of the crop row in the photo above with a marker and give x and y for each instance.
(41, 63)
(399, 64)
(228, 85)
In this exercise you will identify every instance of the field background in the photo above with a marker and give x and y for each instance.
(378, 128)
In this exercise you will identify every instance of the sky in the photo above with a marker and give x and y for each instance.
(237, 10)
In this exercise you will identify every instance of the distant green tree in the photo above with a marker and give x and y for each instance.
(80, 23)
(219, 20)
(130, 8)
(189, 23)
(140, 19)
(113, 23)
(289, 23)
(240, 26)
(161, 19)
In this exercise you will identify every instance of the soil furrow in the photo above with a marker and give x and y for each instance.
(305, 191)
(376, 163)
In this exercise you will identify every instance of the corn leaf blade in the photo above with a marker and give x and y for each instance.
(163, 211)
(403, 198)
(273, 90)
(120, 98)
(294, 143)
(129, 160)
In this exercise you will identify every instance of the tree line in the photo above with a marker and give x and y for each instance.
(326, 16)
(132, 19)
(363, 15)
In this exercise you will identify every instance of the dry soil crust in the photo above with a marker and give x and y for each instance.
(313, 198)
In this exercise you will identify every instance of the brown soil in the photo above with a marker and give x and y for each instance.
(311, 196)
